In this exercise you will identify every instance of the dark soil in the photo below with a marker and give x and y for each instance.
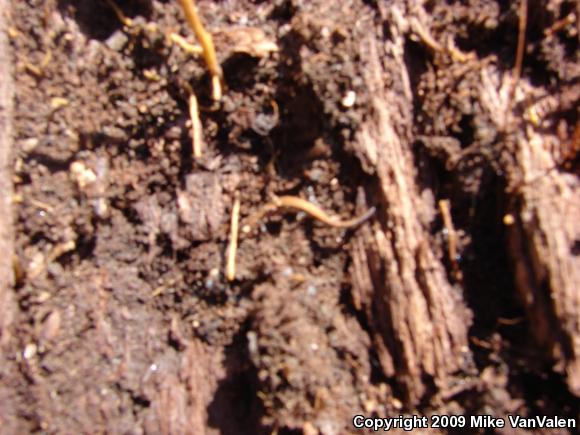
(125, 321)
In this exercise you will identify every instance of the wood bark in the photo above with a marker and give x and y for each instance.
(543, 241)
(7, 303)
(543, 245)
(6, 229)
(419, 320)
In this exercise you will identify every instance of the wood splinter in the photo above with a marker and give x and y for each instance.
(297, 203)
(445, 208)
(522, 24)
(196, 130)
(233, 246)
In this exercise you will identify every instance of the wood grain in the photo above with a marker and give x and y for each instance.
(419, 320)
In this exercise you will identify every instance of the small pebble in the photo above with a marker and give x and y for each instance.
(51, 326)
(29, 144)
(29, 351)
(349, 99)
(82, 175)
(117, 40)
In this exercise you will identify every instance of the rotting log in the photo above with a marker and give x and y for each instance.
(419, 321)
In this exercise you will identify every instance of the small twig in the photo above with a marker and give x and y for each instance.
(425, 36)
(34, 70)
(523, 22)
(196, 130)
(119, 13)
(427, 39)
(560, 24)
(445, 207)
(206, 42)
(233, 247)
(296, 203)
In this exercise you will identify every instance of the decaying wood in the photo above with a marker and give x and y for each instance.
(7, 303)
(542, 245)
(181, 401)
(6, 233)
(542, 240)
(419, 320)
